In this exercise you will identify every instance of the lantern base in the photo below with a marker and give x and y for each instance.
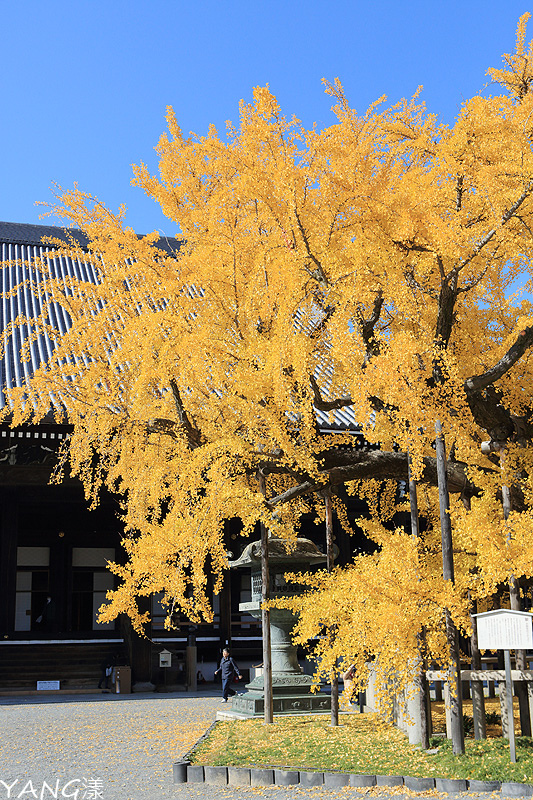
(291, 695)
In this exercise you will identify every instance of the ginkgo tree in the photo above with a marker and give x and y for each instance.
(375, 265)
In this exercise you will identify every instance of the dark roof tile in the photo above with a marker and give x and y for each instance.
(22, 233)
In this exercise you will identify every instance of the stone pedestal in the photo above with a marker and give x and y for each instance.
(291, 695)
(291, 689)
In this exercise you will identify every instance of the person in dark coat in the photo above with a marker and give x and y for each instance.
(106, 676)
(47, 619)
(229, 670)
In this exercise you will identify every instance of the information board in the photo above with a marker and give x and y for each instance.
(47, 686)
(504, 630)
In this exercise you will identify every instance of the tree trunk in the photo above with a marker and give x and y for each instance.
(265, 618)
(420, 680)
(331, 557)
(454, 669)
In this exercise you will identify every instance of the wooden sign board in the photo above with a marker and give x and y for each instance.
(165, 658)
(504, 630)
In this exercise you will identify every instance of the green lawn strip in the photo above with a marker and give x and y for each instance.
(362, 744)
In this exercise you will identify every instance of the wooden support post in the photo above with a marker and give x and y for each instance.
(523, 688)
(191, 665)
(265, 618)
(529, 686)
(225, 613)
(447, 710)
(330, 561)
(521, 663)
(428, 706)
(422, 706)
(503, 709)
(478, 698)
(509, 704)
(455, 698)
(413, 502)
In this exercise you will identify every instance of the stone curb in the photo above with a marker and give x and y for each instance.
(204, 735)
(185, 772)
(261, 777)
(517, 789)
(311, 778)
(336, 780)
(416, 784)
(362, 780)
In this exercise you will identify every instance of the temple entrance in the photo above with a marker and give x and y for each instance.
(90, 582)
(32, 587)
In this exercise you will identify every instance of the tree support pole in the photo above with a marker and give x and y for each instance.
(454, 670)
(523, 689)
(420, 680)
(509, 699)
(265, 617)
(478, 698)
(330, 560)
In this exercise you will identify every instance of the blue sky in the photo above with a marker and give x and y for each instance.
(85, 83)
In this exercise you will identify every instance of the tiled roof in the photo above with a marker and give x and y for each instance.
(22, 245)
(20, 233)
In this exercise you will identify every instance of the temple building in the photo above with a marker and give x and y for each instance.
(54, 551)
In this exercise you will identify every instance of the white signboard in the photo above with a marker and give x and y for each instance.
(504, 630)
(47, 686)
(165, 658)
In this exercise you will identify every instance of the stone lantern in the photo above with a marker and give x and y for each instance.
(291, 688)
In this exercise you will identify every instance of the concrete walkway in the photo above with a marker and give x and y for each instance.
(115, 747)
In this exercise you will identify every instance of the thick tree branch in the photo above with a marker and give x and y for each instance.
(414, 284)
(327, 405)
(376, 464)
(367, 326)
(485, 400)
(318, 274)
(445, 318)
(380, 406)
(194, 436)
(162, 426)
(523, 342)
(459, 193)
(410, 246)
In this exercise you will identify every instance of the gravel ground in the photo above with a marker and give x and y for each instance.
(109, 747)
(127, 743)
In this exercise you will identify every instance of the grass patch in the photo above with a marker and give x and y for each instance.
(363, 744)
(492, 717)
